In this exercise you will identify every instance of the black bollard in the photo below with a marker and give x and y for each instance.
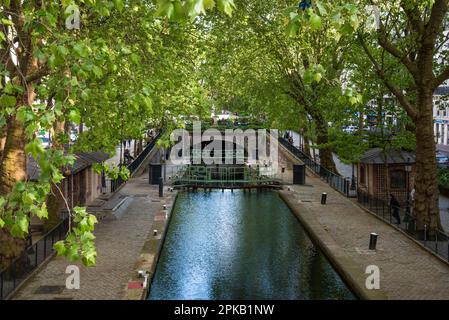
(161, 187)
(323, 198)
(373, 241)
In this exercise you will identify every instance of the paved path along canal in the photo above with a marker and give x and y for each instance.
(119, 243)
(406, 270)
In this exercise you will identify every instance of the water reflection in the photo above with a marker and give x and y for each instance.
(241, 245)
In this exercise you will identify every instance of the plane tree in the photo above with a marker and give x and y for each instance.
(413, 33)
(92, 63)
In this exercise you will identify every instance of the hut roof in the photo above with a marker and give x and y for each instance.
(393, 156)
(82, 160)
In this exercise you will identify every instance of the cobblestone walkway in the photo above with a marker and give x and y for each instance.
(118, 242)
(406, 270)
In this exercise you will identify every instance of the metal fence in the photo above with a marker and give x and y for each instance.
(12, 276)
(132, 167)
(336, 181)
(434, 239)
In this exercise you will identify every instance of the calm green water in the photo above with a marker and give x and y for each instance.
(241, 245)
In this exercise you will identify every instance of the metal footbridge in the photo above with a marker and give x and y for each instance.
(224, 177)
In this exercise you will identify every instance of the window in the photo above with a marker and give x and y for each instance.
(397, 179)
(362, 175)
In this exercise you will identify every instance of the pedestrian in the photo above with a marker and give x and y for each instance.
(128, 157)
(394, 206)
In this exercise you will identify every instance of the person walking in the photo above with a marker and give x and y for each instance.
(394, 206)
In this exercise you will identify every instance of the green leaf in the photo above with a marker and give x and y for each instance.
(72, 252)
(60, 248)
(34, 148)
(321, 9)
(292, 29)
(22, 223)
(209, 4)
(92, 219)
(74, 116)
(43, 212)
(28, 198)
(226, 6)
(119, 5)
(315, 22)
(7, 101)
(165, 8)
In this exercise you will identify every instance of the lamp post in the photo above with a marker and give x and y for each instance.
(353, 179)
(408, 169)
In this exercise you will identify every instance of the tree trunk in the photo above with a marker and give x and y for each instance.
(13, 164)
(12, 170)
(326, 158)
(361, 123)
(2, 140)
(305, 141)
(426, 206)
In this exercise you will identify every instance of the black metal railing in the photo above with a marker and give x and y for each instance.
(13, 275)
(336, 181)
(402, 217)
(132, 167)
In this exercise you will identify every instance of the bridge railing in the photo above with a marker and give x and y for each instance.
(336, 181)
(211, 176)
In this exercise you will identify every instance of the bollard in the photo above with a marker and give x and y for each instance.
(448, 251)
(323, 198)
(165, 207)
(373, 241)
(154, 232)
(161, 187)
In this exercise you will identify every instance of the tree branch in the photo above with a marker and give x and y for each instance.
(398, 54)
(37, 75)
(411, 111)
(443, 76)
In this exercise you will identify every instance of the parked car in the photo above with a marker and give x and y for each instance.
(350, 129)
(45, 142)
(442, 158)
(73, 136)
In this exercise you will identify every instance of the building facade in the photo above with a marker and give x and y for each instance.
(441, 115)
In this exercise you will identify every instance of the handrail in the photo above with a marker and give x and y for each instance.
(336, 181)
(133, 166)
(31, 258)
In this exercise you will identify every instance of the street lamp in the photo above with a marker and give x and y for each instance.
(408, 169)
(353, 187)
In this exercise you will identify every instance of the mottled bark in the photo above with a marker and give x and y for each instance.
(322, 139)
(426, 186)
(12, 170)
(3, 131)
(13, 164)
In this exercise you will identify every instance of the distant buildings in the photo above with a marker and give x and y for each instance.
(441, 115)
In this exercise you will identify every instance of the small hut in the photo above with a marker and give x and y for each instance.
(384, 172)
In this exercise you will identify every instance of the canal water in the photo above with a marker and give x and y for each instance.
(241, 245)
